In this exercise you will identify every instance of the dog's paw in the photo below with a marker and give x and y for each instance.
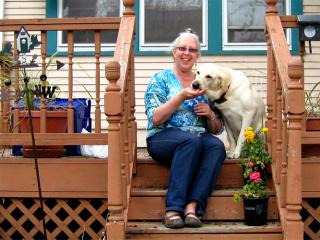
(233, 155)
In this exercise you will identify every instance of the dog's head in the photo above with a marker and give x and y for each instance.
(213, 78)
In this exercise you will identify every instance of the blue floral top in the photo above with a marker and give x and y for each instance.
(163, 86)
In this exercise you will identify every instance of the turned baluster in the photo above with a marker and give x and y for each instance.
(132, 119)
(284, 163)
(70, 37)
(97, 111)
(43, 112)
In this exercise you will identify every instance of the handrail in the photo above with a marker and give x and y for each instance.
(56, 24)
(120, 107)
(285, 102)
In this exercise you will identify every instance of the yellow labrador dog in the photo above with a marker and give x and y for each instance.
(233, 94)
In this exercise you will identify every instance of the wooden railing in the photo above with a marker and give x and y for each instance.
(120, 107)
(119, 102)
(285, 102)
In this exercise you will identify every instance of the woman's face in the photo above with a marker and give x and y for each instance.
(185, 54)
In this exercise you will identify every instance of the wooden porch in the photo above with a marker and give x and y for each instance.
(122, 196)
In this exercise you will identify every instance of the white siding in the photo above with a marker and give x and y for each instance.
(312, 61)
(25, 8)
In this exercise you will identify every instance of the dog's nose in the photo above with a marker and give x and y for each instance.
(195, 85)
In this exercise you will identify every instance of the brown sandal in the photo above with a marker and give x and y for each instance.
(191, 220)
(173, 221)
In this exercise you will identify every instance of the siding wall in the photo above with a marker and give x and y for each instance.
(253, 66)
(312, 61)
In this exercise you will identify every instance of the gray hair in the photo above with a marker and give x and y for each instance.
(187, 32)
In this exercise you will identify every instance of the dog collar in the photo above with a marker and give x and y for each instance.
(222, 98)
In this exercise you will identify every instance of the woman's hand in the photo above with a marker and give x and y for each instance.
(214, 125)
(188, 93)
(204, 110)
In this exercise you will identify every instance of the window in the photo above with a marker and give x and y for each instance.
(161, 21)
(243, 23)
(84, 8)
(1, 16)
(223, 26)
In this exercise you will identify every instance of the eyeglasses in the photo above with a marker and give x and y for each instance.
(184, 49)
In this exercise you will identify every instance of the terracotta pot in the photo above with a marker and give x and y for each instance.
(313, 124)
(255, 211)
(56, 123)
(311, 150)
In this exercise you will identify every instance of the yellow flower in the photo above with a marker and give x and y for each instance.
(249, 134)
(265, 130)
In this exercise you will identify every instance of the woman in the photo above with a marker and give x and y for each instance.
(179, 133)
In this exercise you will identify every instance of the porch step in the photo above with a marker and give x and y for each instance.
(209, 230)
(223, 219)
(151, 174)
(149, 204)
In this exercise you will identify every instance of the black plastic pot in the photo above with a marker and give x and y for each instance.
(255, 211)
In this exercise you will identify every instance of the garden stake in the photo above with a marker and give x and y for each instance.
(26, 80)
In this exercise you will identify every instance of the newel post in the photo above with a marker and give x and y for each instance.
(113, 109)
(128, 7)
(271, 7)
(295, 99)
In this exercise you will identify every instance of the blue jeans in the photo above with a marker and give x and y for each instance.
(195, 166)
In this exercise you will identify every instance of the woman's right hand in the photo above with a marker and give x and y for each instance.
(188, 93)
(163, 112)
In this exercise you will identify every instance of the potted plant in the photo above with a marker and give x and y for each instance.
(312, 105)
(255, 202)
(312, 119)
(33, 89)
(254, 161)
(36, 89)
(254, 153)
(34, 85)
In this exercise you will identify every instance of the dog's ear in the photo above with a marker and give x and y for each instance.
(224, 78)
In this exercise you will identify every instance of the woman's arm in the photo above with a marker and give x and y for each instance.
(214, 124)
(164, 111)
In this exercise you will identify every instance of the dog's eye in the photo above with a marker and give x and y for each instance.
(198, 72)
(208, 76)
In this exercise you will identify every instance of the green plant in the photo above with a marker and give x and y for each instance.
(37, 83)
(254, 161)
(254, 151)
(29, 73)
(312, 101)
(6, 61)
(251, 190)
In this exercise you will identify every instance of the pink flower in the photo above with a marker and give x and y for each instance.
(250, 164)
(255, 177)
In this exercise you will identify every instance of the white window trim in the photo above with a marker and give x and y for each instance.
(152, 47)
(82, 47)
(2, 17)
(247, 46)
